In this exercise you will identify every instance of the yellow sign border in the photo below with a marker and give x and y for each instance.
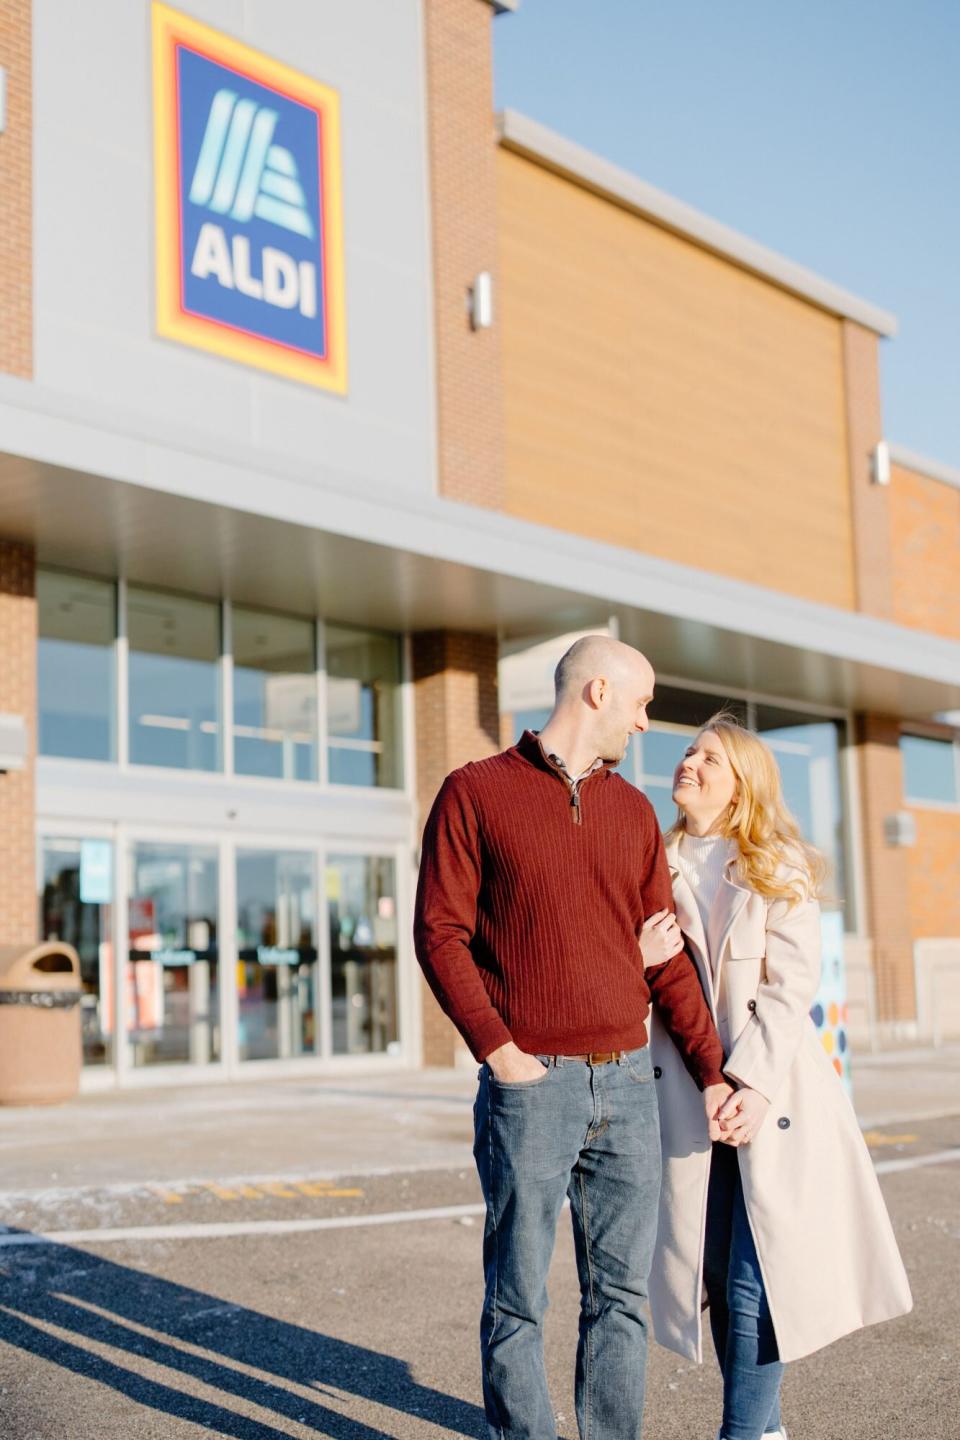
(170, 27)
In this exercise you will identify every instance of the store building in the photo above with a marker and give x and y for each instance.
(329, 407)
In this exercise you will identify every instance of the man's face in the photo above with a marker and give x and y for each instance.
(622, 709)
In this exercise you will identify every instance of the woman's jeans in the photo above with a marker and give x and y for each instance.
(590, 1133)
(739, 1314)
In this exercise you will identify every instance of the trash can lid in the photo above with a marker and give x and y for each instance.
(51, 965)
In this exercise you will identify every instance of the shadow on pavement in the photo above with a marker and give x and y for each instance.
(134, 1314)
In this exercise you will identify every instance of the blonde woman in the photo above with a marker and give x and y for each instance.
(781, 1224)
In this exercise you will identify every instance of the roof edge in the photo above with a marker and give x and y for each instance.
(921, 465)
(528, 137)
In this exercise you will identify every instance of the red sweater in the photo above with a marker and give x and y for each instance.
(528, 914)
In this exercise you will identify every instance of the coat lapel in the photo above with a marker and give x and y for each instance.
(688, 916)
(730, 900)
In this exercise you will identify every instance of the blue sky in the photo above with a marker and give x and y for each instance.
(828, 130)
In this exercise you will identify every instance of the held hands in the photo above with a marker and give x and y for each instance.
(660, 939)
(741, 1116)
(511, 1064)
(714, 1098)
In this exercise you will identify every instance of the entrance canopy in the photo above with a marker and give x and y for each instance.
(316, 543)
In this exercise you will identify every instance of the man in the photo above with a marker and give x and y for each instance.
(539, 866)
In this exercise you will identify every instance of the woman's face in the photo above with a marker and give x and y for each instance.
(704, 783)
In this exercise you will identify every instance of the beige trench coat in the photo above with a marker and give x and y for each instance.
(826, 1248)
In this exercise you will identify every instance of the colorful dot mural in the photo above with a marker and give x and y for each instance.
(829, 1009)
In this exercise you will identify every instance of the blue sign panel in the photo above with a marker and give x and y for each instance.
(250, 206)
(96, 872)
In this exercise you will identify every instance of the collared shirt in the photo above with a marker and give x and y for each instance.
(561, 765)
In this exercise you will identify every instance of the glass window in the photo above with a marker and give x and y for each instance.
(274, 696)
(174, 644)
(807, 749)
(76, 620)
(76, 879)
(362, 899)
(929, 769)
(691, 707)
(277, 955)
(529, 720)
(172, 980)
(363, 707)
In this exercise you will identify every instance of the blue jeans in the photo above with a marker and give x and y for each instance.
(740, 1320)
(590, 1133)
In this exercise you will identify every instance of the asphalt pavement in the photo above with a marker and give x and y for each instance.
(301, 1258)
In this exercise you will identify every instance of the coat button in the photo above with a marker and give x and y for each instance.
(751, 1004)
(784, 1123)
(657, 1072)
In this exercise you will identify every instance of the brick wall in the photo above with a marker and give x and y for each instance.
(462, 148)
(925, 524)
(18, 696)
(934, 868)
(887, 868)
(16, 193)
(455, 689)
(870, 503)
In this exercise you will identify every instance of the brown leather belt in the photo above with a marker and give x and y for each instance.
(596, 1057)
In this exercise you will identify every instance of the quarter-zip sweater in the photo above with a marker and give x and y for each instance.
(529, 909)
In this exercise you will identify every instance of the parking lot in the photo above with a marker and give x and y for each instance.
(145, 1294)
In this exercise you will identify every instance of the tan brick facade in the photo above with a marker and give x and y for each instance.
(925, 526)
(870, 503)
(934, 868)
(888, 869)
(18, 696)
(464, 217)
(16, 190)
(455, 688)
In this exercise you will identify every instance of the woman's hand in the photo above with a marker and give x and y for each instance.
(660, 939)
(741, 1117)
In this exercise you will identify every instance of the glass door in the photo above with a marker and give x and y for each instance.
(76, 894)
(276, 955)
(173, 996)
(362, 908)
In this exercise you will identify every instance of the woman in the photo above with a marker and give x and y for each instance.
(782, 1224)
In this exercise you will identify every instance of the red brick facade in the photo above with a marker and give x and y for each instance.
(925, 525)
(18, 696)
(887, 869)
(457, 719)
(16, 190)
(464, 216)
(870, 502)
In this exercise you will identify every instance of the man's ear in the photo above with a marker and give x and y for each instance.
(596, 692)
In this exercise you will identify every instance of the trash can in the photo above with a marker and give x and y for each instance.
(40, 1051)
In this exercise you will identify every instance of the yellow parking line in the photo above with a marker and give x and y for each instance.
(169, 1197)
(220, 1191)
(277, 1187)
(876, 1137)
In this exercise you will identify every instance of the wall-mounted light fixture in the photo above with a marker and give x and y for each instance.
(13, 743)
(481, 301)
(880, 463)
(900, 829)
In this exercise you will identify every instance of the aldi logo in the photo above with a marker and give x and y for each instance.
(249, 242)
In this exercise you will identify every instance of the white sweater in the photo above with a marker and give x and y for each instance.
(703, 859)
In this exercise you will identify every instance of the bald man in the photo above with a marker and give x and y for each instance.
(539, 866)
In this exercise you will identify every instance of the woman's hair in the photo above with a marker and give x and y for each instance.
(767, 835)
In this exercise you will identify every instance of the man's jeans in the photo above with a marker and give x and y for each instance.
(591, 1133)
(743, 1334)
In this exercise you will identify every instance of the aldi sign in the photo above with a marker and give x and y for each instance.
(249, 231)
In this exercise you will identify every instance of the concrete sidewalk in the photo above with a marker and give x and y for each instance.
(361, 1125)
